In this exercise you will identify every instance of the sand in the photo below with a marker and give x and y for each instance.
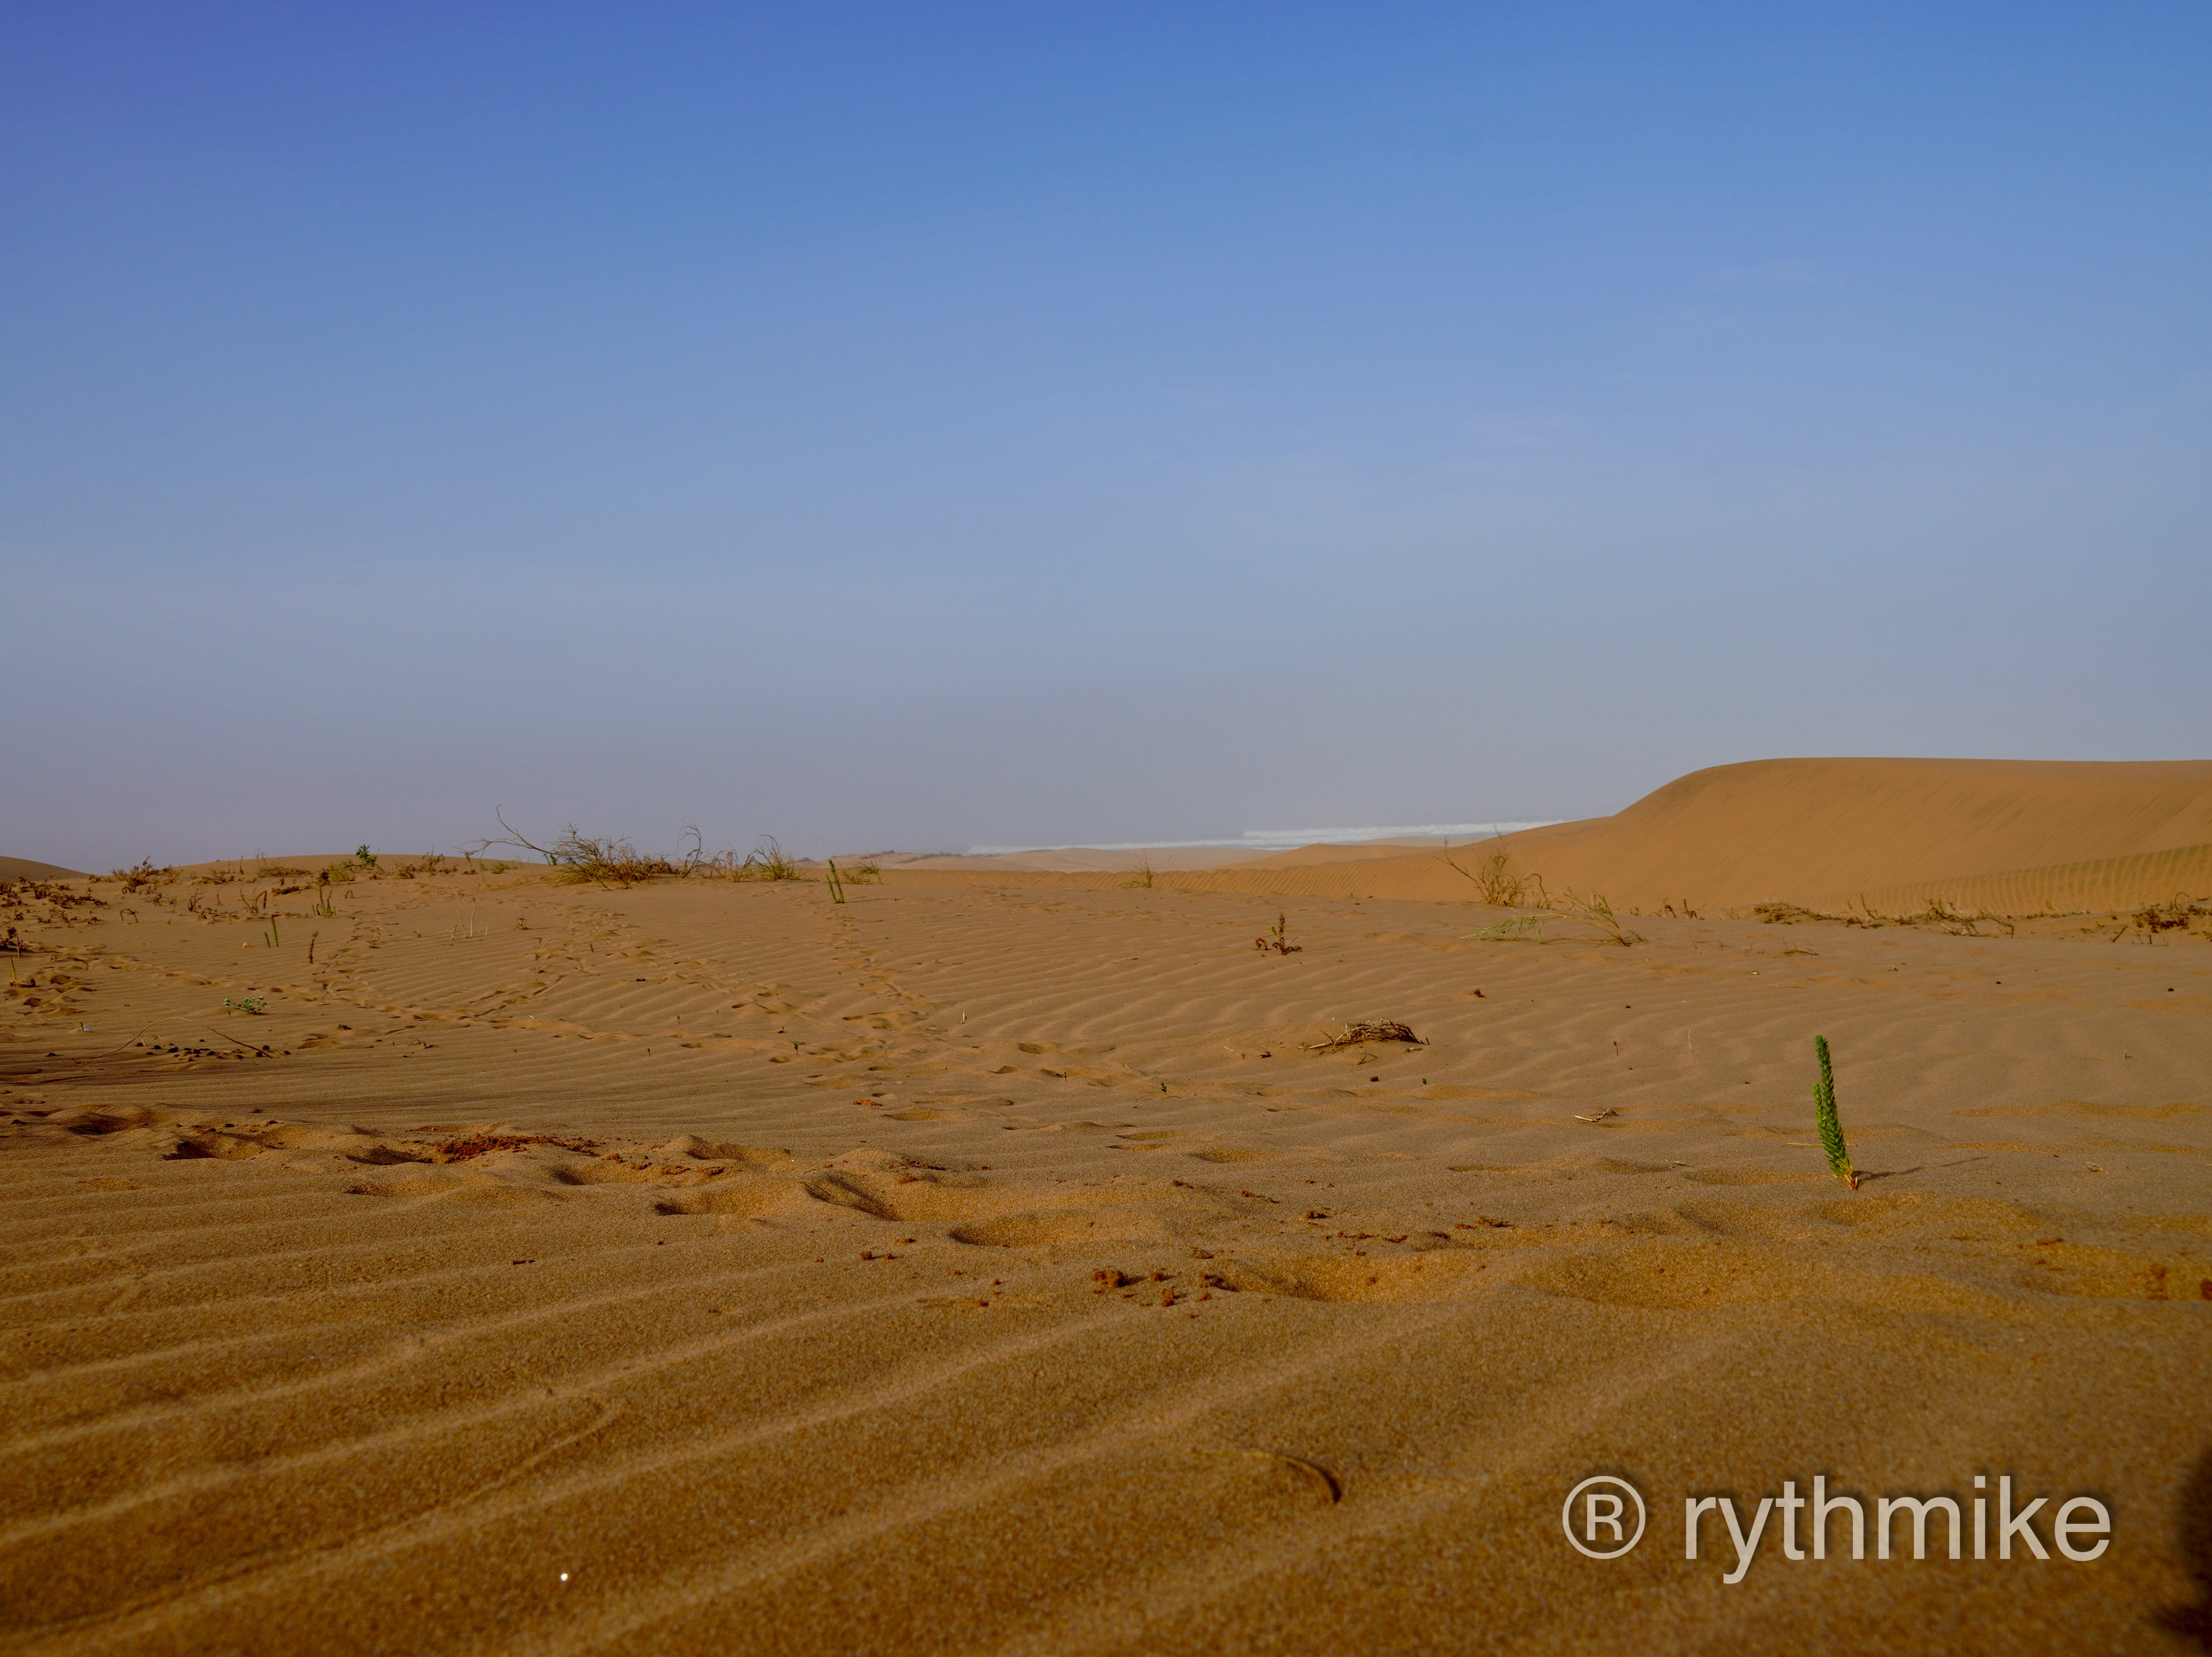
(993, 1265)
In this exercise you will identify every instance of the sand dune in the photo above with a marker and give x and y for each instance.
(2022, 835)
(25, 869)
(984, 1265)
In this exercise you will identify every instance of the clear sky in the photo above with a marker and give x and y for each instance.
(917, 425)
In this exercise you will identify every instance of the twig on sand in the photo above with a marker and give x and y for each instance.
(1600, 1116)
(86, 1059)
(1327, 1482)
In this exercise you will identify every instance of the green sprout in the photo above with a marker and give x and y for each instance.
(1824, 1113)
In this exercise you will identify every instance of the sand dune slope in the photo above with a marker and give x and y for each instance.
(999, 1268)
(1820, 831)
(25, 869)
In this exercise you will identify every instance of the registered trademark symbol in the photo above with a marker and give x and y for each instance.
(1602, 1516)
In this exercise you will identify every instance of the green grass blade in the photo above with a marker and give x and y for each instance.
(1823, 1114)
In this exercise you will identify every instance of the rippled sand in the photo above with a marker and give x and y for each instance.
(992, 1266)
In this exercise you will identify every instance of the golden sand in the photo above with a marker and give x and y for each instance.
(993, 1265)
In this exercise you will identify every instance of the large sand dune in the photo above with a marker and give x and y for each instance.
(988, 1264)
(2024, 835)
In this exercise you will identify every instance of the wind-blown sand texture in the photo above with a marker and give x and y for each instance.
(992, 1266)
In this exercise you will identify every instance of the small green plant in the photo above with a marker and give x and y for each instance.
(364, 857)
(1278, 938)
(1144, 874)
(247, 1003)
(1514, 929)
(1824, 1115)
(836, 886)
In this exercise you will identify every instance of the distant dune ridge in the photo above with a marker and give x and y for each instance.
(2018, 836)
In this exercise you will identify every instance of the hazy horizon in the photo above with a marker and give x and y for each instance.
(987, 425)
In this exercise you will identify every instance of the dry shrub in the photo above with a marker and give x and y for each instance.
(1793, 914)
(1938, 915)
(1355, 1035)
(577, 857)
(2175, 915)
(1495, 886)
(1596, 912)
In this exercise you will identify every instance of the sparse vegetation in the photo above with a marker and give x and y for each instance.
(1514, 929)
(144, 873)
(245, 1003)
(1596, 912)
(836, 886)
(1500, 889)
(1938, 915)
(577, 857)
(56, 895)
(2175, 915)
(1824, 1117)
(364, 857)
(767, 860)
(1278, 938)
(1355, 1035)
(1143, 876)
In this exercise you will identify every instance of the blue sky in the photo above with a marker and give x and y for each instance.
(901, 426)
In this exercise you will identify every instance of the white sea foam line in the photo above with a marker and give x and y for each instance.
(1283, 839)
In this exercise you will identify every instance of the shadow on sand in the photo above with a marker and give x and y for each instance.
(2193, 1528)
